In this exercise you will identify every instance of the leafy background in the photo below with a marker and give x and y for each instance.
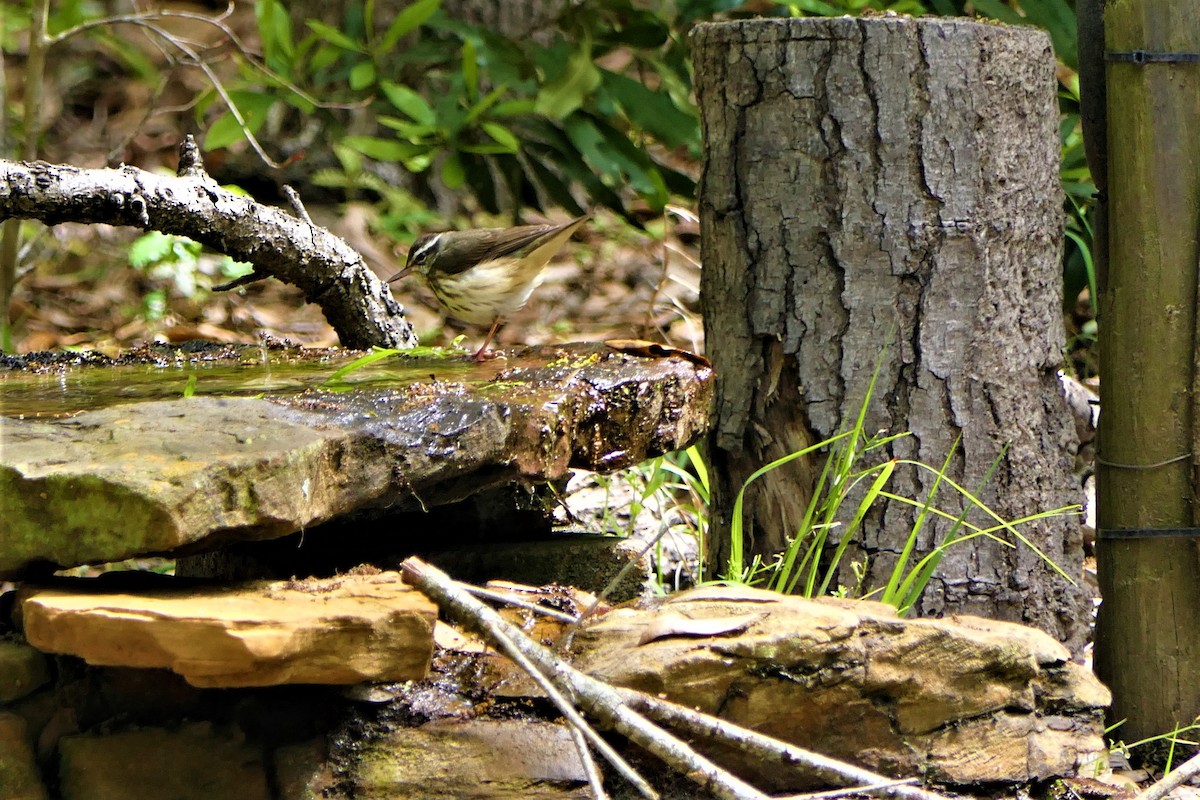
(394, 121)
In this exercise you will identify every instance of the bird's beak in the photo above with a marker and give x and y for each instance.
(401, 274)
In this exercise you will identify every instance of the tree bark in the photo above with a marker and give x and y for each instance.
(887, 190)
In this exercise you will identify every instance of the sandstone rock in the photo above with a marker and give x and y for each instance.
(19, 776)
(196, 762)
(476, 759)
(190, 475)
(22, 670)
(364, 627)
(959, 700)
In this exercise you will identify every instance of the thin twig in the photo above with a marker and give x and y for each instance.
(498, 597)
(507, 643)
(297, 204)
(146, 20)
(217, 22)
(612, 585)
(1185, 772)
(595, 779)
(601, 700)
(766, 748)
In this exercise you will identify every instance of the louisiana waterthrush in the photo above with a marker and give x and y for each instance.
(484, 274)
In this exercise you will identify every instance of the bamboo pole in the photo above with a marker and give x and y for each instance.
(1148, 631)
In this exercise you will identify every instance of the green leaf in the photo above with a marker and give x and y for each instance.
(611, 152)
(408, 21)
(368, 16)
(324, 56)
(408, 102)
(226, 130)
(514, 108)
(132, 59)
(817, 8)
(487, 102)
(1057, 18)
(378, 354)
(502, 135)
(470, 69)
(150, 248)
(485, 149)
(412, 131)
(275, 32)
(362, 75)
(562, 96)
(546, 145)
(588, 140)
(334, 36)
(383, 149)
(453, 173)
(652, 111)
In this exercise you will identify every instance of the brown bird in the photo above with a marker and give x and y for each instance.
(482, 275)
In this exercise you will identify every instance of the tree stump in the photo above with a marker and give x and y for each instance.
(886, 191)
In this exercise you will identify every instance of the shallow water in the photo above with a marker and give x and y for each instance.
(63, 390)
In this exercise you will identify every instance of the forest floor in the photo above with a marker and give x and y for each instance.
(613, 281)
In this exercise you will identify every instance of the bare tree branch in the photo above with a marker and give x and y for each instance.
(330, 273)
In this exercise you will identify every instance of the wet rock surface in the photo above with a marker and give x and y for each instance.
(191, 474)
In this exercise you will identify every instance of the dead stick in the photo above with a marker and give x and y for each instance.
(513, 650)
(597, 697)
(1177, 777)
(595, 779)
(767, 748)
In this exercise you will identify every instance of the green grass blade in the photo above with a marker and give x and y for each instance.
(891, 592)
(378, 354)
(868, 500)
(737, 538)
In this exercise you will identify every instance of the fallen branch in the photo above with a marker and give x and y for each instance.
(505, 642)
(873, 788)
(595, 697)
(330, 272)
(618, 708)
(595, 779)
(768, 749)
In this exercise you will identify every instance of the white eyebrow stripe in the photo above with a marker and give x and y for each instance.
(425, 248)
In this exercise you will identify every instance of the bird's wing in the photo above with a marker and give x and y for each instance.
(492, 243)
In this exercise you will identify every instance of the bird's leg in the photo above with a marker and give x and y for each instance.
(482, 356)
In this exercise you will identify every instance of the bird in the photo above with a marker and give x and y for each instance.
(484, 274)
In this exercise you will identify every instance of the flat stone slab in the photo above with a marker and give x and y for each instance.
(191, 474)
(343, 630)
